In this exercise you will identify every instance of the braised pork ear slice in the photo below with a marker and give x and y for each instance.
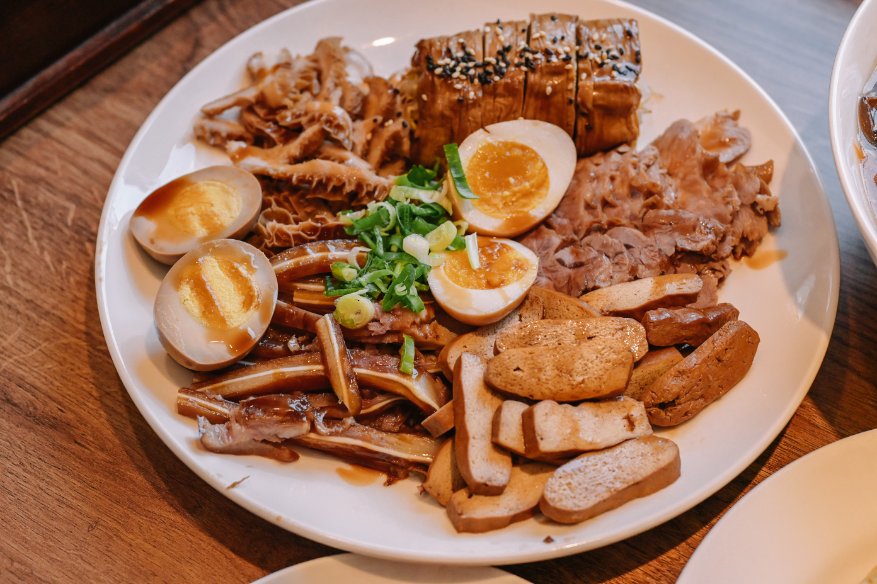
(503, 88)
(609, 64)
(448, 91)
(551, 64)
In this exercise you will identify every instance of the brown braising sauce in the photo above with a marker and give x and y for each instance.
(868, 134)
(359, 476)
(765, 257)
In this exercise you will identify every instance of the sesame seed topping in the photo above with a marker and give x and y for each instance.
(423, 97)
(548, 90)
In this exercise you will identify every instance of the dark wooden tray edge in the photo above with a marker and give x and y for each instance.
(77, 66)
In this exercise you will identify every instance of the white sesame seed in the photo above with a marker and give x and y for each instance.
(496, 77)
(469, 51)
(548, 90)
(458, 86)
(567, 66)
(423, 97)
(471, 95)
(490, 60)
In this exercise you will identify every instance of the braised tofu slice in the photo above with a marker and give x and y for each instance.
(551, 70)
(503, 87)
(609, 65)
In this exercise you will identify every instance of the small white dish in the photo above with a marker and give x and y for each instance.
(813, 522)
(855, 62)
(363, 570)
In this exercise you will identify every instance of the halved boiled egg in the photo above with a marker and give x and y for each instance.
(478, 296)
(519, 170)
(215, 303)
(217, 202)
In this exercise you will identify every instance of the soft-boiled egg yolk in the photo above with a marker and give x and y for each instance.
(519, 170)
(217, 202)
(218, 291)
(215, 303)
(203, 208)
(509, 178)
(480, 296)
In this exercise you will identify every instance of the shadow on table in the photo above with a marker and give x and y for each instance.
(242, 533)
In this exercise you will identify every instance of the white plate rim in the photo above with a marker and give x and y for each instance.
(856, 199)
(766, 488)
(706, 489)
(354, 563)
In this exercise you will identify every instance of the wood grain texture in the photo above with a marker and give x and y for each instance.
(90, 493)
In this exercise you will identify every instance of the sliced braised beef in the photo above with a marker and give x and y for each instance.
(673, 207)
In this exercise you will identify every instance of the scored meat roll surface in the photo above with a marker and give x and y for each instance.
(577, 74)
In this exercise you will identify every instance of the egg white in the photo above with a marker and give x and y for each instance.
(480, 307)
(550, 142)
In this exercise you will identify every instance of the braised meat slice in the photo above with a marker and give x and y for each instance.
(448, 92)
(503, 87)
(551, 70)
(673, 207)
(609, 64)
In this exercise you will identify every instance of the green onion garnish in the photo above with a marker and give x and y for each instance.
(406, 363)
(455, 167)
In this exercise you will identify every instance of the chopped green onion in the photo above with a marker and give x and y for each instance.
(455, 167)
(406, 354)
(417, 246)
(442, 236)
(457, 244)
(354, 310)
(343, 271)
(420, 177)
(472, 250)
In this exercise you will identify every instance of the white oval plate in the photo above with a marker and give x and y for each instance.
(363, 570)
(791, 303)
(856, 60)
(813, 522)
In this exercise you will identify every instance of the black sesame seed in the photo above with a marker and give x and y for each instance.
(498, 21)
(621, 50)
(637, 57)
(598, 47)
(563, 37)
(523, 30)
(566, 57)
(404, 123)
(568, 101)
(554, 39)
(553, 18)
(506, 48)
(460, 99)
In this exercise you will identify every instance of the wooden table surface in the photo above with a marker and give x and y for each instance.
(89, 492)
